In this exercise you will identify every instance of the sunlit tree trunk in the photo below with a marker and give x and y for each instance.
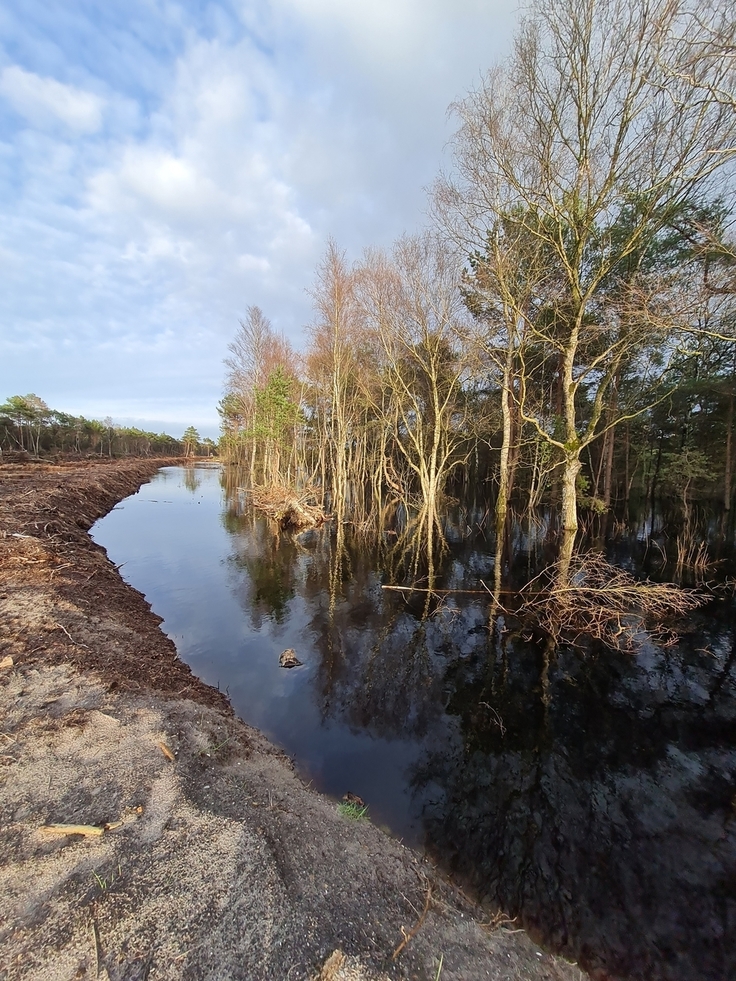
(504, 473)
(728, 475)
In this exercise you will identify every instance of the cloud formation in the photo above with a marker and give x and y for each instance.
(40, 99)
(164, 165)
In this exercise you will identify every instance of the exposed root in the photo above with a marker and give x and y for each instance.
(603, 603)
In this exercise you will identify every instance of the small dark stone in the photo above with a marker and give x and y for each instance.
(353, 799)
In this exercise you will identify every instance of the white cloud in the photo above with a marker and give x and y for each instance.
(254, 262)
(132, 256)
(209, 194)
(400, 32)
(39, 99)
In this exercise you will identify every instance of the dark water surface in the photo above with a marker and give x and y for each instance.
(593, 797)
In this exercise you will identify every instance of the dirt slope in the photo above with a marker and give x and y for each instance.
(219, 863)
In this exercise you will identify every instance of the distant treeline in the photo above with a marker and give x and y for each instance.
(27, 424)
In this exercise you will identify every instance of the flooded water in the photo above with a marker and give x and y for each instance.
(593, 797)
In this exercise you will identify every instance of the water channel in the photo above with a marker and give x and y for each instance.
(593, 797)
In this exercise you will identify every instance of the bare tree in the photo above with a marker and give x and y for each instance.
(333, 366)
(256, 353)
(413, 306)
(706, 58)
(587, 141)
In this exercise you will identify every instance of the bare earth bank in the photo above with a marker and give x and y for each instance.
(219, 863)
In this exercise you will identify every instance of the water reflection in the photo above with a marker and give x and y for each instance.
(271, 570)
(192, 478)
(606, 820)
(593, 796)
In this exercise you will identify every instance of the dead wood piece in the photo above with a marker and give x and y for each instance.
(332, 966)
(447, 592)
(166, 751)
(87, 830)
(288, 507)
(599, 601)
(96, 943)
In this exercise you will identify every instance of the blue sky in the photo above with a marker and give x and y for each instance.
(163, 165)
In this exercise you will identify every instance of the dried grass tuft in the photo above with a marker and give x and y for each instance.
(692, 554)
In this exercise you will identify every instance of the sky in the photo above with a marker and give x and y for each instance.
(164, 165)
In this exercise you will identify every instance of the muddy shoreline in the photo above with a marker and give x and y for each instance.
(45, 513)
(219, 863)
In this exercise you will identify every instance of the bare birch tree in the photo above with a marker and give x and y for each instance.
(332, 363)
(594, 119)
(413, 305)
(256, 353)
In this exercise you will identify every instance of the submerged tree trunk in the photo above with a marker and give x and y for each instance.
(569, 516)
(729, 454)
(504, 478)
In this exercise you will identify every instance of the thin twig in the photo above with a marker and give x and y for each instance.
(75, 642)
(413, 932)
(96, 942)
(58, 568)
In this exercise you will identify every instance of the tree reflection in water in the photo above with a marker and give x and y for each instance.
(270, 561)
(192, 478)
(592, 795)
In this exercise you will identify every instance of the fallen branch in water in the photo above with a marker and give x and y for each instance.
(289, 508)
(607, 604)
(450, 592)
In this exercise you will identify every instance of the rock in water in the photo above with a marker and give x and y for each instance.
(289, 659)
(351, 798)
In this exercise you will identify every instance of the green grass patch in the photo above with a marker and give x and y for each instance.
(354, 812)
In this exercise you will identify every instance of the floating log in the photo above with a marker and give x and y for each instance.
(449, 592)
(289, 508)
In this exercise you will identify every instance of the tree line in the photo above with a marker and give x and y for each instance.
(565, 332)
(28, 425)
